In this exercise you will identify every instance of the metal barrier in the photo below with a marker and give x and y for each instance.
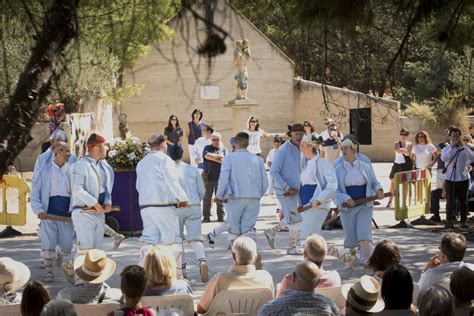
(412, 193)
(14, 182)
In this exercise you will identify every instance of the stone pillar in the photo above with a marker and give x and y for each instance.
(240, 114)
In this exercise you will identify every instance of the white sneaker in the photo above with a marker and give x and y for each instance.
(294, 251)
(271, 235)
(211, 240)
(118, 240)
(204, 271)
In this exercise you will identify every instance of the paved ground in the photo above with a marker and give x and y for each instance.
(417, 247)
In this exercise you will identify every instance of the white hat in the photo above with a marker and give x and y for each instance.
(364, 294)
(13, 275)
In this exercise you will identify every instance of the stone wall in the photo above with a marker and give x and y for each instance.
(310, 106)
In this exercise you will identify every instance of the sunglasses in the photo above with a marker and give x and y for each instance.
(215, 139)
(252, 121)
(306, 125)
(174, 119)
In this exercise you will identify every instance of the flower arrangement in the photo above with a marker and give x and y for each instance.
(55, 112)
(126, 153)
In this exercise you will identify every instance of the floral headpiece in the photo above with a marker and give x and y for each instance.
(55, 112)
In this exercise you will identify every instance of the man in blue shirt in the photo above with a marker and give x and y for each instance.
(285, 173)
(242, 182)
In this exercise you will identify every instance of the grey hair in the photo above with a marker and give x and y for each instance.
(245, 250)
(217, 134)
(435, 300)
(59, 134)
(59, 307)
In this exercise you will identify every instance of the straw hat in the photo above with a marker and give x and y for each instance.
(364, 294)
(13, 275)
(94, 266)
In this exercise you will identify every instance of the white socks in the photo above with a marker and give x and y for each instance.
(198, 248)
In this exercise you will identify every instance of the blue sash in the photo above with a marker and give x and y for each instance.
(307, 192)
(101, 198)
(59, 205)
(357, 192)
(201, 165)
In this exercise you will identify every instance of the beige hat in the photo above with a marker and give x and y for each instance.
(13, 275)
(94, 266)
(364, 294)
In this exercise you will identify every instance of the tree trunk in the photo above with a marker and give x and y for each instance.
(17, 118)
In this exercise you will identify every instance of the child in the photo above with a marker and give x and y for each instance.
(133, 283)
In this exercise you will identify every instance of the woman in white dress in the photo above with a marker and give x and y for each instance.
(318, 187)
(256, 134)
(424, 152)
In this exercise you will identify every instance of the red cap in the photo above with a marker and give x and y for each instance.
(95, 139)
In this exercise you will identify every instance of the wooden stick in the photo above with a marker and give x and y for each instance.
(93, 211)
(357, 202)
(57, 218)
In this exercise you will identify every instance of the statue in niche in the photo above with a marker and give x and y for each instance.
(242, 57)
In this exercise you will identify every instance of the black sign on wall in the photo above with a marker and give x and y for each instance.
(360, 125)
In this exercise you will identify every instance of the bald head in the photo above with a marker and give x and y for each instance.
(306, 276)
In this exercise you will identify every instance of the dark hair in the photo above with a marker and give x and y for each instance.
(242, 139)
(256, 125)
(453, 245)
(386, 253)
(461, 285)
(435, 301)
(194, 112)
(278, 139)
(133, 281)
(175, 152)
(208, 128)
(311, 126)
(397, 287)
(169, 128)
(454, 129)
(34, 297)
(404, 131)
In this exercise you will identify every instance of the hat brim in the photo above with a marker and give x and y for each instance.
(378, 307)
(106, 273)
(23, 275)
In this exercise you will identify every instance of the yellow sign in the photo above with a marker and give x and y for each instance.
(14, 182)
(412, 193)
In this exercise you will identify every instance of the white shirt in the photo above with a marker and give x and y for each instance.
(254, 140)
(324, 134)
(354, 176)
(462, 162)
(439, 275)
(308, 175)
(423, 154)
(199, 145)
(59, 181)
(399, 158)
(269, 159)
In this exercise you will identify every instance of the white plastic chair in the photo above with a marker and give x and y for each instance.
(10, 310)
(239, 302)
(334, 293)
(183, 302)
(95, 309)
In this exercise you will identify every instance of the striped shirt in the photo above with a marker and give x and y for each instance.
(299, 302)
(88, 293)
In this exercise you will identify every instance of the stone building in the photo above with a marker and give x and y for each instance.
(176, 80)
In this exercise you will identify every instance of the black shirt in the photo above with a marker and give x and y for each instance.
(214, 168)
